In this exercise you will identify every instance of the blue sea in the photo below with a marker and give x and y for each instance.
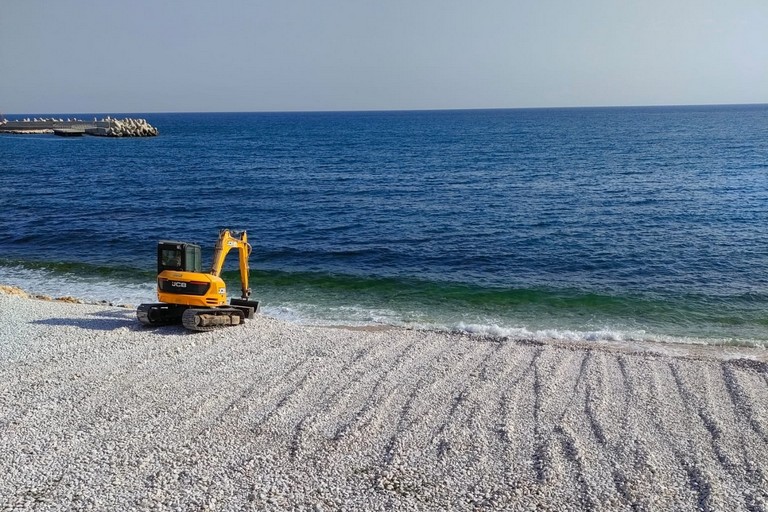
(583, 224)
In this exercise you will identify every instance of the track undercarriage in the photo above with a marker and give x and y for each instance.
(197, 319)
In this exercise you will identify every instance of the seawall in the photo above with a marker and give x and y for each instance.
(106, 127)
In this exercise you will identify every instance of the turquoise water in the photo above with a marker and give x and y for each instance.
(583, 224)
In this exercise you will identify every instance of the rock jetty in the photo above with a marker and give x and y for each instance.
(106, 127)
(126, 127)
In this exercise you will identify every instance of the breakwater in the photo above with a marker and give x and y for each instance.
(106, 127)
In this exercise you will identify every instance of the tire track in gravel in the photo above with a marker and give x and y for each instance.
(213, 378)
(461, 400)
(356, 358)
(359, 419)
(271, 396)
(751, 452)
(592, 396)
(741, 401)
(356, 370)
(570, 445)
(605, 453)
(574, 455)
(282, 393)
(189, 364)
(710, 423)
(201, 381)
(542, 458)
(717, 440)
(698, 481)
(479, 423)
(510, 405)
(242, 367)
(406, 416)
(282, 439)
(632, 469)
(677, 442)
(366, 429)
(641, 477)
(401, 467)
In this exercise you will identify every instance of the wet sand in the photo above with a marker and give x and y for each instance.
(97, 412)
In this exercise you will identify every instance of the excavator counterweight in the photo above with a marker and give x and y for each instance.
(196, 299)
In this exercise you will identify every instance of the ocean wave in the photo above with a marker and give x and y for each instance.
(42, 280)
(531, 314)
(605, 335)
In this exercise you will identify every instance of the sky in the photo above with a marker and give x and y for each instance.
(100, 56)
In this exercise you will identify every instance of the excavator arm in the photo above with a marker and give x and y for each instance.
(232, 240)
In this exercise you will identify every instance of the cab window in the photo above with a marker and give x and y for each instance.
(171, 258)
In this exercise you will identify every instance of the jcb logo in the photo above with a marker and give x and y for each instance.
(178, 284)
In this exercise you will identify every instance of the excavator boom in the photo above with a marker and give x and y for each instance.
(226, 242)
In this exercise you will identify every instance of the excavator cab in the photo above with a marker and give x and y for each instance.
(178, 256)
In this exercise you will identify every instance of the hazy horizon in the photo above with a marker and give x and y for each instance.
(342, 55)
(702, 105)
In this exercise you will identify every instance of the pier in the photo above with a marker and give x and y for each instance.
(107, 127)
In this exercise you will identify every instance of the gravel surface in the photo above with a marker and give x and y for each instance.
(99, 413)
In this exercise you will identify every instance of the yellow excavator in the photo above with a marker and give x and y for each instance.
(196, 299)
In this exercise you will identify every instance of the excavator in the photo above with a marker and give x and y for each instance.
(196, 299)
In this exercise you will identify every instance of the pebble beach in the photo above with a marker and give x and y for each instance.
(100, 413)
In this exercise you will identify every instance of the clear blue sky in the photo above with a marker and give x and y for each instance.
(98, 56)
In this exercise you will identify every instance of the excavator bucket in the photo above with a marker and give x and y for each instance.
(248, 307)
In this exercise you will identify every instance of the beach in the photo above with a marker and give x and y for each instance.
(100, 413)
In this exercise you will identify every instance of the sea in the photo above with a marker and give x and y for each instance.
(577, 224)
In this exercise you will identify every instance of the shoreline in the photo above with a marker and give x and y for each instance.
(97, 412)
(551, 316)
(695, 350)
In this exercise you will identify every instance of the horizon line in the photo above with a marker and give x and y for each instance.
(393, 110)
